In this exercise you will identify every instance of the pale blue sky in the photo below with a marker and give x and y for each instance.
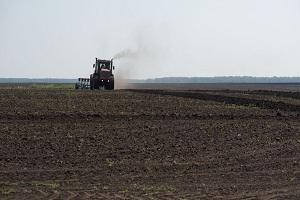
(61, 38)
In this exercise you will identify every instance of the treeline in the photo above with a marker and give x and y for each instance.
(224, 79)
(30, 80)
(219, 79)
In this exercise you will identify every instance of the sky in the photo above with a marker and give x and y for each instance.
(61, 38)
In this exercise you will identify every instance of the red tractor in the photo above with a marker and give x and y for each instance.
(102, 77)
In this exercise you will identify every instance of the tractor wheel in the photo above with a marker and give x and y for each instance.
(92, 85)
(110, 86)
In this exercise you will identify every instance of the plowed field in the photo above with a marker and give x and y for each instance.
(149, 144)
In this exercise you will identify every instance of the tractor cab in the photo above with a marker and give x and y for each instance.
(103, 65)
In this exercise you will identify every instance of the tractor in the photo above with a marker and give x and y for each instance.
(102, 78)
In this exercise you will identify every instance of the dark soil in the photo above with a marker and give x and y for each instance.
(278, 87)
(145, 144)
(245, 101)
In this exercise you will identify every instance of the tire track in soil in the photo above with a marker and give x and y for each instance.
(73, 194)
(66, 117)
(264, 104)
(94, 194)
(293, 95)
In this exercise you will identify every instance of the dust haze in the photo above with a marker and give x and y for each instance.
(148, 53)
